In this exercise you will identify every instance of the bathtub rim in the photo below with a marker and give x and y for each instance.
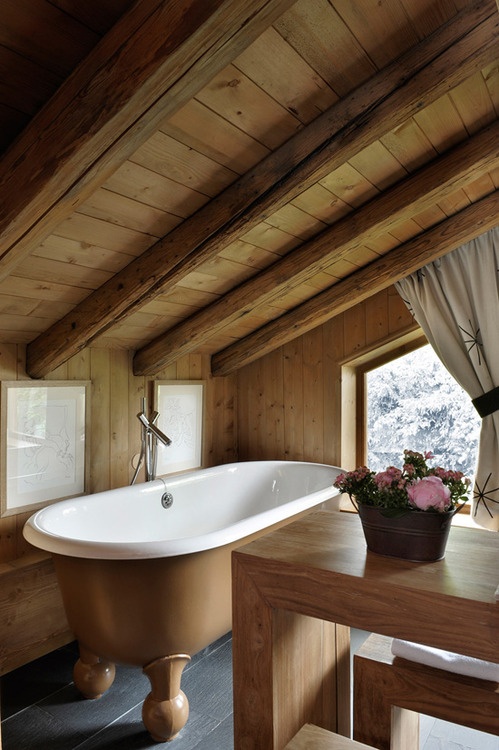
(39, 536)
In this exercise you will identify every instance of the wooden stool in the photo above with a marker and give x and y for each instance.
(390, 693)
(311, 737)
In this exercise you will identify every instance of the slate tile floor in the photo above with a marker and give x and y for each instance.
(42, 710)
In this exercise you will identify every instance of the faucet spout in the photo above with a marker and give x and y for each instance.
(160, 435)
(151, 427)
(149, 444)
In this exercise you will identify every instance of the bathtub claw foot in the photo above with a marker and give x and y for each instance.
(92, 675)
(166, 708)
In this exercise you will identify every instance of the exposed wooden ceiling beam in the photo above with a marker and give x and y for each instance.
(150, 63)
(426, 72)
(415, 194)
(395, 265)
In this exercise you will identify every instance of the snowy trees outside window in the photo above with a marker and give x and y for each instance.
(413, 402)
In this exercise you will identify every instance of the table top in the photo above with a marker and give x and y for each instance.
(319, 565)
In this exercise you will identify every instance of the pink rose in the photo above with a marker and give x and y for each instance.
(429, 492)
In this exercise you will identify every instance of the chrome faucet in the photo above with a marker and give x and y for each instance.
(149, 444)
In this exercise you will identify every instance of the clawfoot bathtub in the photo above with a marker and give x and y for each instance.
(145, 571)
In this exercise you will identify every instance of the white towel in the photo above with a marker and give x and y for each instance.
(436, 657)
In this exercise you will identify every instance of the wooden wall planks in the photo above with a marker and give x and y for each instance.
(289, 402)
(33, 620)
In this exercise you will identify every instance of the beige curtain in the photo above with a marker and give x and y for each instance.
(455, 300)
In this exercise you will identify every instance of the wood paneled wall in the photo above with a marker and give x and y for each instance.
(290, 401)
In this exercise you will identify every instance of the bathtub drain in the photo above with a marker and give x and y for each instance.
(167, 500)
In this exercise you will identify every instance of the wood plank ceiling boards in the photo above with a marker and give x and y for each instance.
(183, 177)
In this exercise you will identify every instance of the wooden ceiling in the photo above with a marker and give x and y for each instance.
(190, 176)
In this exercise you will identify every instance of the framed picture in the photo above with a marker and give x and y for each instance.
(44, 443)
(180, 407)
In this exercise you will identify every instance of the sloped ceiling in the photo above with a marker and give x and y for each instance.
(222, 176)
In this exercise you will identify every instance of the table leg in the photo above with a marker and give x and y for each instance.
(285, 672)
(377, 720)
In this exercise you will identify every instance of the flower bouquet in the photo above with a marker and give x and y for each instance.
(406, 512)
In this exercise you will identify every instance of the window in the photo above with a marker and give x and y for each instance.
(413, 402)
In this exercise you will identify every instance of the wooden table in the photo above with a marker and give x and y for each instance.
(291, 587)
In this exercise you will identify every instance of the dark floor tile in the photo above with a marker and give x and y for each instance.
(212, 648)
(222, 737)
(34, 729)
(40, 678)
(63, 720)
(89, 716)
(209, 686)
(129, 732)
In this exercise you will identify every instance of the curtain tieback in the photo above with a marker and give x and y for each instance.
(487, 403)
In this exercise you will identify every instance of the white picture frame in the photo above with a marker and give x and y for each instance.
(44, 443)
(180, 406)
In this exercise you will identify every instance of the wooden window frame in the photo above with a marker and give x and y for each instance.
(354, 393)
